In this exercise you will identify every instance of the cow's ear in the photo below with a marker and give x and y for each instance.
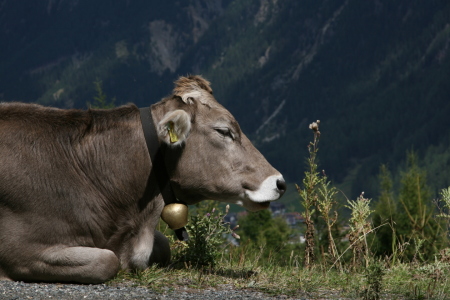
(174, 127)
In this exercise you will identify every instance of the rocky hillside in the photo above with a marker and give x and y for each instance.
(56, 48)
(375, 72)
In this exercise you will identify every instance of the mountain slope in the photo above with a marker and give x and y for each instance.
(57, 48)
(375, 73)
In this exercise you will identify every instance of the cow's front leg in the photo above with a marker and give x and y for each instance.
(150, 247)
(69, 264)
(161, 250)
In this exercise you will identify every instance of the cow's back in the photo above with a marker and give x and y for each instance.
(68, 176)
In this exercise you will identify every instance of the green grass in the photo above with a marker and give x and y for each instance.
(240, 270)
(261, 265)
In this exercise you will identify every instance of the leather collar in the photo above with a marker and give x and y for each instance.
(157, 157)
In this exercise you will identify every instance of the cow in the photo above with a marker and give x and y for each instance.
(72, 182)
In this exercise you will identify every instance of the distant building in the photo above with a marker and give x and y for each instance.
(293, 218)
(242, 214)
(278, 209)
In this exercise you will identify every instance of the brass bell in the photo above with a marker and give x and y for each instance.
(175, 215)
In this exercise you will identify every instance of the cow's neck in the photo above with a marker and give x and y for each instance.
(157, 157)
(157, 152)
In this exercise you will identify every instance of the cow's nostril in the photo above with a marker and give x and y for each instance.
(281, 186)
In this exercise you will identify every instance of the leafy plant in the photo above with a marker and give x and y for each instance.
(359, 228)
(374, 276)
(429, 280)
(206, 236)
(309, 195)
(318, 201)
(325, 206)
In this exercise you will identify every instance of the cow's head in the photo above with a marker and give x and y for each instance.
(207, 154)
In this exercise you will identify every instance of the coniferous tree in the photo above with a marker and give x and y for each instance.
(260, 230)
(407, 226)
(100, 100)
(415, 222)
(384, 215)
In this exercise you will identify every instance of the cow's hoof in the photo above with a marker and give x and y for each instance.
(161, 250)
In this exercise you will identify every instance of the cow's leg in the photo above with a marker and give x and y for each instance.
(3, 276)
(161, 250)
(73, 264)
(149, 246)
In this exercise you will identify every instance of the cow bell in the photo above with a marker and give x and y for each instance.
(175, 215)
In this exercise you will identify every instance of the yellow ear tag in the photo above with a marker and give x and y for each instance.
(173, 136)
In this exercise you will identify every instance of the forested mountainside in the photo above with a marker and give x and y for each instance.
(376, 73)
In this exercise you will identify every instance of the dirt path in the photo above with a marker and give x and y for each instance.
(39, 291)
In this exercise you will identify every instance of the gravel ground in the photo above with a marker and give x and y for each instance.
(23, 291)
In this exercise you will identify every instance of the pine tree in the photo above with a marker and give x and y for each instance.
(100, 100)
(415, 222)
(262, 231)
(385, 215)
(407, 227)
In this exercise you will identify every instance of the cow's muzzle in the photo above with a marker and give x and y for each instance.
(281, 186)
(271, 189)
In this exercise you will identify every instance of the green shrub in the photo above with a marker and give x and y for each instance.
(266, 236)
(360, 227)
(207, 234)
(374, 275)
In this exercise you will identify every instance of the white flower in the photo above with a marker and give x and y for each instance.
(314, 126)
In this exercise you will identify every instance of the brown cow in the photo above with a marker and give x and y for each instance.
(71, 182)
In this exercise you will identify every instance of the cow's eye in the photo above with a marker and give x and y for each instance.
(225, 132)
